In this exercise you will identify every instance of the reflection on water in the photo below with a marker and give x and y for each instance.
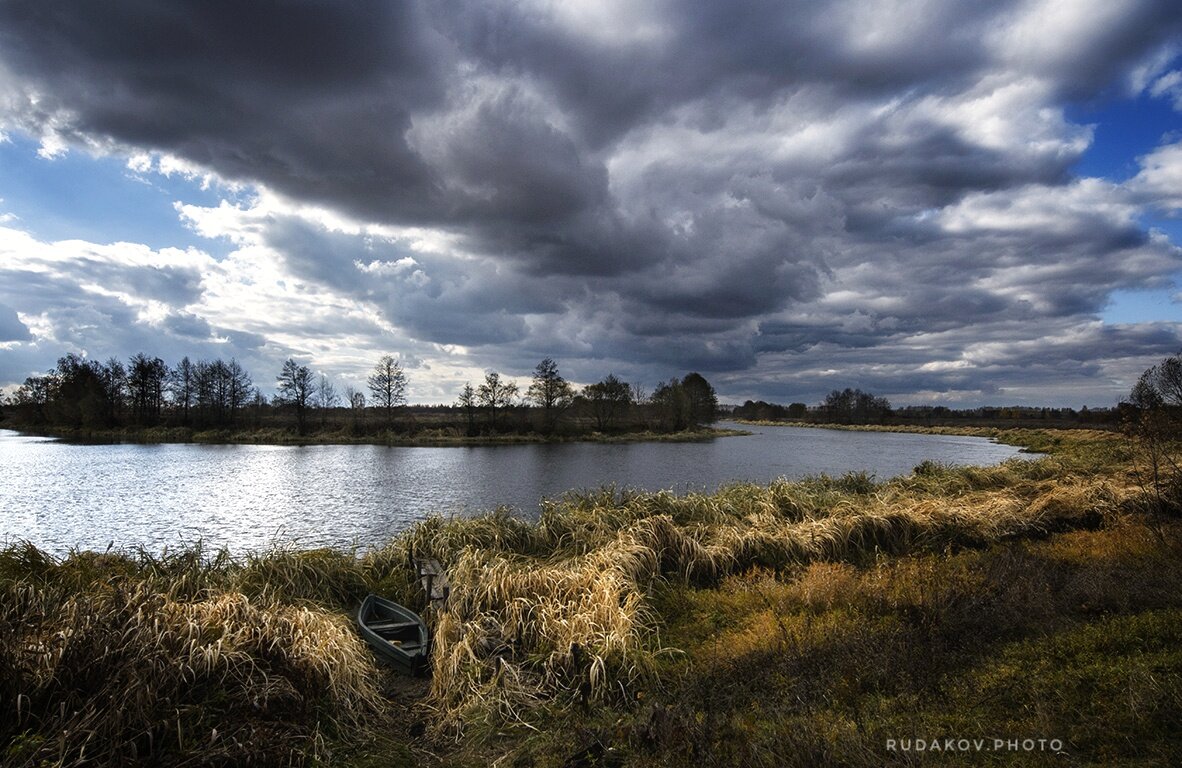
(59, 495)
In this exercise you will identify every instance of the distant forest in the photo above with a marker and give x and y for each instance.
(147, 394)
(853, 406)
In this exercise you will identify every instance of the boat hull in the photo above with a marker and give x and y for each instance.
(397, 635)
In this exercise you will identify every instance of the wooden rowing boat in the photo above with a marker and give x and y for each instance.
(395, 632)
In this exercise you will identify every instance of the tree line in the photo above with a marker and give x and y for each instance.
(840, 406)
(608, 405)
(145, 392)
(854, 406)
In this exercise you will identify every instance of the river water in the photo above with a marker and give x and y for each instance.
(59, 495)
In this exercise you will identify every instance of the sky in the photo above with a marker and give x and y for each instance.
(939, 201)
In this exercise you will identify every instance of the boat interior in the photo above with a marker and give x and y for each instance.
(398, 632)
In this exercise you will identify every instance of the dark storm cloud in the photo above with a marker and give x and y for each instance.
(174, 285)
(11, 327)
(749, 50)
(312, 98)
(188, 325)
(881, 179)
(434, 297)
(782, 336)
(761, 188)
(317, 99)
(504, 162)
(244, 340)
(1091, 364)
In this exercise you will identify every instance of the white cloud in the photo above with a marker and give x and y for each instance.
(607, 22)
(1159, 182)
(1169, 85)
(1047, 36)
(1041, 209)
(1150, 68)
(1011, 114)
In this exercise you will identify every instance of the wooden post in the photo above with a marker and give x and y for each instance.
(434, 580)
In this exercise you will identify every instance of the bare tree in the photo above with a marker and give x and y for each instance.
(146, 377)
(387, 384)
(114, 376)
(853, 406)
(495, 394)
(239, 388)
(468, 401)
(220, 390)
(296, 388)
(257, 405)
(326, 398)
(356, 401)
(35, 395)
(671, 406)
(85, 392)
(182, 387)
(550, 392)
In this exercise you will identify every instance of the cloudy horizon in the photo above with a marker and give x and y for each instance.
(936, 201)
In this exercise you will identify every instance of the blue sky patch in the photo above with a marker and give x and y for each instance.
(98, 199)
(1125, 129)
(1143, 307)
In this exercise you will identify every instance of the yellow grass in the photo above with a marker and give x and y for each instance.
(256, 660)
(559, 613)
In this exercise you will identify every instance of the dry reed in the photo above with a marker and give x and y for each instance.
(558, 613)
(192, 656)
(101, 665)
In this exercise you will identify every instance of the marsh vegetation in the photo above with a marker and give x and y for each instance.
(781, 624)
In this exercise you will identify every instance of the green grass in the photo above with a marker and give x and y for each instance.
(1074, 638)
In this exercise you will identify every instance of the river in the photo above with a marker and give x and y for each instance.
(59, 495)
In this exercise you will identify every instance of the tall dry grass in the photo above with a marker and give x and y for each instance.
(194, 656)
(116, 660)
(556, 614)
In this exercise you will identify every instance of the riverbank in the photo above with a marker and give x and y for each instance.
(427, 438)
(969, 431)
(796, 623)
(1029, 439)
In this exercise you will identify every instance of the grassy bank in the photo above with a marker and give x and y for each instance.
(796, 623)
(425, 437)
(1026, 437)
